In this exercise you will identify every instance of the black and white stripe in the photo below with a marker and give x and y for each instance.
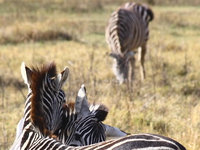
(127, 30)
(44, 104)
(48, 117)
(131, 142)
(84, 126)
(137, 142)
(87, 124)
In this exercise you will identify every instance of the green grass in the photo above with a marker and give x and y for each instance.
(166, 103)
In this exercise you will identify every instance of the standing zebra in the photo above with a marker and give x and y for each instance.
(46, 115)
(127, 30)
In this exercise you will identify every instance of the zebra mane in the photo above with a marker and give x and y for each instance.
(69, 110)
(38, 77)
(99, 110)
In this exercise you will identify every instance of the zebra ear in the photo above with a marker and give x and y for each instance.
(62, 77)
(114, 132)
(26, 73)
(100, 111)
(101, 115)
(81, 104)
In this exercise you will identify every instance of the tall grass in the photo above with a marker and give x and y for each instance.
(72, 34)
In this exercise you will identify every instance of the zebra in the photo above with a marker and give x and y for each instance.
(127, 30)
(44, 104)
(46, 112)
(87, 128)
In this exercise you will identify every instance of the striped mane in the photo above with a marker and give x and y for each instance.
(100, 111)
(69, 111)
(38, 78)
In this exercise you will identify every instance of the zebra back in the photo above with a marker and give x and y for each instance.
(127, 27)
(143, 141)
(132, 142)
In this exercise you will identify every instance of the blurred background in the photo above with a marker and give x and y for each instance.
(72, 33)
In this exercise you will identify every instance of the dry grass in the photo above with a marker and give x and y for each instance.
(166, 103)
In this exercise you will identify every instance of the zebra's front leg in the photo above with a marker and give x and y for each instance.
(131, 68)
(141, 58)
(131, 73)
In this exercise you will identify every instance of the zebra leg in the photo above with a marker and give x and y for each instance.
(141, 57)
(131, 72)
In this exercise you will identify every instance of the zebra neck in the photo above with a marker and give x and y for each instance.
(27, 110)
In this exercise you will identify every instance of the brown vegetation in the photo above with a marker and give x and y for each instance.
(166, 103)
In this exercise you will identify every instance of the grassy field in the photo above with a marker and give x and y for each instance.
(166, 103)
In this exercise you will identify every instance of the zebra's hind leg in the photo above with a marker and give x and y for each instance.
(141, 58)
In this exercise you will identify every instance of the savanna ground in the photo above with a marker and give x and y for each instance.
(71, 33)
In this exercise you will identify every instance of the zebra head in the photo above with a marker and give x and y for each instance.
(45, 98)
(121, 65)
(88, 128)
